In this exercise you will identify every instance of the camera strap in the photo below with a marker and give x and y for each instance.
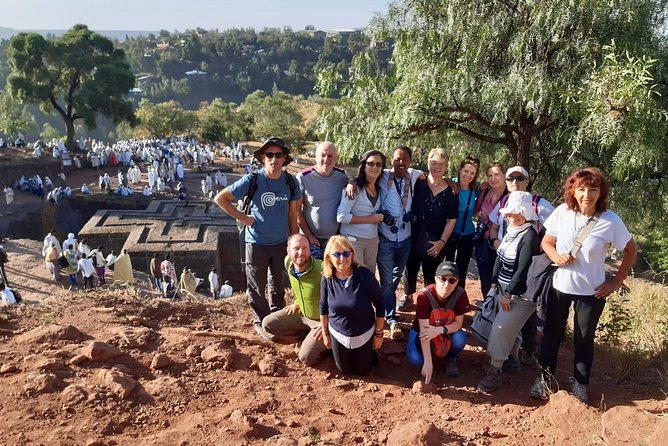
(407, 186)
(466, 211)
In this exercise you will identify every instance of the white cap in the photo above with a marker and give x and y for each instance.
(519, 169)
(520, 202)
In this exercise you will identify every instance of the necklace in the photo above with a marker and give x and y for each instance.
(433, 184)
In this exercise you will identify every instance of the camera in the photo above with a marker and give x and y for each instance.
(479, 233)
(409, 217)
(389, 220)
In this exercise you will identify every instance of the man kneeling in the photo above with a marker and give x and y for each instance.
(300, 322)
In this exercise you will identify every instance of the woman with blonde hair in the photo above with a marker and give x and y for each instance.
(352, 313)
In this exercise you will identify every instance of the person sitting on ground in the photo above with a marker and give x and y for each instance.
(300, 321)
(448, 295)
(85, 189)
(4, 258)
(226, 290)
(512, 264)
(352, 312)
(7, 294)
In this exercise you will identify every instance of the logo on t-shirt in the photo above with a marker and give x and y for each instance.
(269, 199)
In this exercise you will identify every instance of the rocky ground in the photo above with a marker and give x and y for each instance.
(122, 366)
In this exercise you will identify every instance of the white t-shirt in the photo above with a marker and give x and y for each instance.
(587, 272)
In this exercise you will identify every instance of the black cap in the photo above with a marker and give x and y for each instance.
(449, 268)
(274, 142)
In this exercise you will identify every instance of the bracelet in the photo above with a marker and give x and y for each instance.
(444, 242)
(379, 331)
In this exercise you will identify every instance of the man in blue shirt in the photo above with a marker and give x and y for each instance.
(396, 195)
(272, 218)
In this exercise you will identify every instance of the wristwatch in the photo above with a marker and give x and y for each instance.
(444, 329)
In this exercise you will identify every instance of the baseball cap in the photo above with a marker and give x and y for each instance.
(447, 267)
(274, 142)
(519, 169)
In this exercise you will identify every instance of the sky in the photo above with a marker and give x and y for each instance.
(154, 15)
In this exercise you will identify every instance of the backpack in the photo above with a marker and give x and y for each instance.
(3, 256)
(440, 317)
(248, 199)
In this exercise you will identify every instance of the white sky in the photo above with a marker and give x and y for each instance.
(154, 15)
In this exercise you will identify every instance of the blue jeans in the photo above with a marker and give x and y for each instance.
(414, 351)
(392, 258)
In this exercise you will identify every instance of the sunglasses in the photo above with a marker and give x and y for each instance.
(451, 280)
(341, 254)
(516, 179)
(277, 155)
(372, 164)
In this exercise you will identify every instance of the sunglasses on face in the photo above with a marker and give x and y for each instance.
(451, 280)
(277, 155)
(372, 164)
(516, 179)
(341, 254)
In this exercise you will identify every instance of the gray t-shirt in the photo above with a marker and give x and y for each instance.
(322, 196)
(269, 206)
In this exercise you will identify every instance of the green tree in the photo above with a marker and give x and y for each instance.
(164, 119)
(49, 133)
(547, 81)
(78, 75)
(220, 121)
(274, 115)
(14, 116)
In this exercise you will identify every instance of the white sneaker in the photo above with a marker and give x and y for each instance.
(395, 331)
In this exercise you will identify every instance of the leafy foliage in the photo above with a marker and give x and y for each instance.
(14, 116)
(164, 119)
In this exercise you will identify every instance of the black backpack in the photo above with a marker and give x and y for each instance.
(3, 256)
(248, 199)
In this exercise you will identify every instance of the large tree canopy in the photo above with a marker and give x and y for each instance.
(78, 75)
(545, 80)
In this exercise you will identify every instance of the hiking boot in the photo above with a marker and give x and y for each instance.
(527, 358)
(540, 389)
(512, 365)
(395, 331)
(451, 368)
(263, 334)
(492, 381)
(404, 302)
(579, 391)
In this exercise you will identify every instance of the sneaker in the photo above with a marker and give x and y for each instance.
(527, 358)
(395, 331)
(579, 391)
(540, 389)
(492, 381)
(512, 365)
(404, 302)
(260, 331)
(451, 368)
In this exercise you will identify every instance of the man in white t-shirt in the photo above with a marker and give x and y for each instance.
(213, 282)
(226, 290)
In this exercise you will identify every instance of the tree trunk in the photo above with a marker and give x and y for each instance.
(70, 142)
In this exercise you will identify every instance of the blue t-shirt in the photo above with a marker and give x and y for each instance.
(465, 196)
(269, 206)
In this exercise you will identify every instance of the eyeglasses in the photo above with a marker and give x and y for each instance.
(451, 280)
(277, 155)
(516, 179)
(341, 254)
(372, 164)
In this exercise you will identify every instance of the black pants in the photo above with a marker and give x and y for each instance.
(265, 272)
(485, 258)
(588, 310)
(463, 246)
(88, 282)
(3, 274)
(412, 269)
(356, 360)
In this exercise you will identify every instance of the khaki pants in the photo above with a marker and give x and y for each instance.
(284, 328)
(507, 325)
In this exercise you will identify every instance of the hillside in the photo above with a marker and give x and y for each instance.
(121, 366)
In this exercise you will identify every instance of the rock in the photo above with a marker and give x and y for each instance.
(164, 388)
(119, 383)
(344, 385)
(421, 387)
(281, 440)
(8, 368)
(267, 365)
(41, 383)
(219, 352)
(50, 333)
(74, 394)
(160, 360)
(193, 351)
(122, 368)
(416, 433)
(37, 362)
(242, 421)
(660, 434)
(575, 422)
(625, 425)
(134, 337)
(101, 351)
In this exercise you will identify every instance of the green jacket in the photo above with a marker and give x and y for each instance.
(306, 287)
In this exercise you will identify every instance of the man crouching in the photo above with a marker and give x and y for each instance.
(300, 322)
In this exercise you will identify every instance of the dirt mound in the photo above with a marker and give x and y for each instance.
(123, 366)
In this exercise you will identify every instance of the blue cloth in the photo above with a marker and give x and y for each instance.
(269, 206)
(391, 200)
(392, 258)
(414, 350)
(352, 308)
(463, 199)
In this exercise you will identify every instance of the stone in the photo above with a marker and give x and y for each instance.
(415, 433)
(41, 383)
(242, 421)
(122, 368)
(573, 421)
(119, 383)
(160, 360)
(420, 387)
(267, 365)
(101, 351)
(219, 352)
(164, 388)
(8, 368)
(193, 351)
(134, 337)
(281, 440)
(625, 425)
(78, 360)
(50, 333)
(37, 362)
(74, 394)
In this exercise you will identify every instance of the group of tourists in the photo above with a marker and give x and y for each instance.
(330, 234)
